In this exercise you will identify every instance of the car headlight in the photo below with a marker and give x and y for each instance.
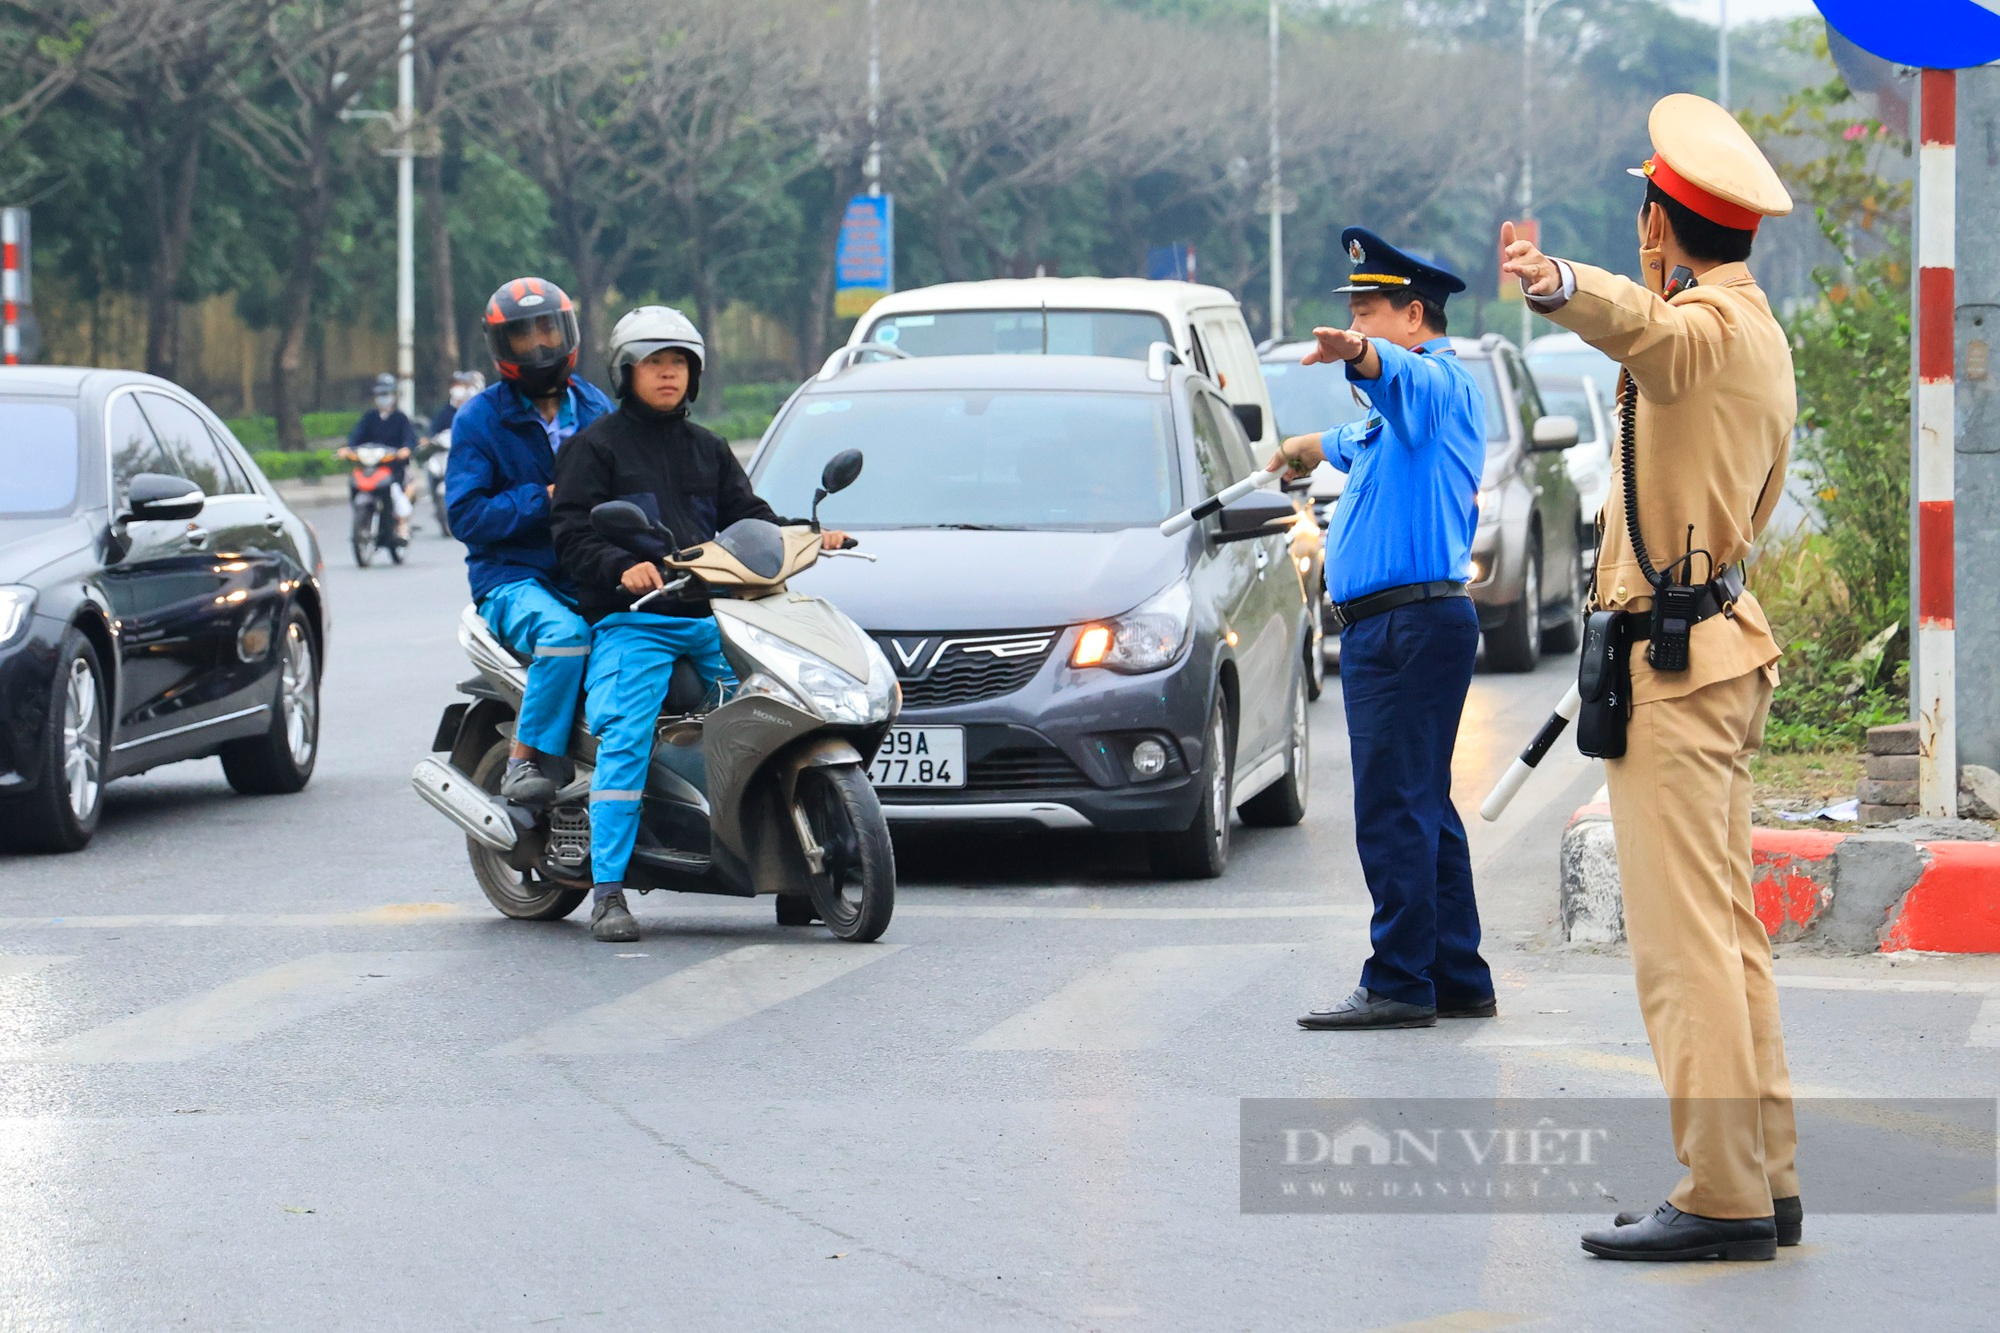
(1488, 504)
(815, 683)
(16, 602)
(1149, 636)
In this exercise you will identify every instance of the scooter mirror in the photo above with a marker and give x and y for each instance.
(626, 524)
(841, 470)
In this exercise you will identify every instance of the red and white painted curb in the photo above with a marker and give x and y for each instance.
(1874, 891)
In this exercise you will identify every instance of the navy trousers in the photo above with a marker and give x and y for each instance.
(1404, 676)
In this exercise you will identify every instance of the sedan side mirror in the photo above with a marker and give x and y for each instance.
(1553, 433)
(1252, 417)
(1258, 514)
(154, 496)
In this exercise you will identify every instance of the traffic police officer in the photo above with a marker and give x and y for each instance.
(1399, 551)
(1709, 389)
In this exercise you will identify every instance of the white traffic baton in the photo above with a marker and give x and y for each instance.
(1187, 518)
(1517, 772)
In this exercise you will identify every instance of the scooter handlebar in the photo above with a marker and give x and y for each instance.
(1187, 518)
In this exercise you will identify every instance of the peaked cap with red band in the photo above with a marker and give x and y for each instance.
(1703, 159)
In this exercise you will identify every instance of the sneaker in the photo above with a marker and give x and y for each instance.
(527, 784)
(611, 922)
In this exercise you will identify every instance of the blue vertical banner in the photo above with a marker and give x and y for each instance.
(1171, 262)
(864, 262)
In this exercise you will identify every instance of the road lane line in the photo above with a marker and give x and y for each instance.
(698, 1000)
(389, 914)
(1141, 999)
(26, 964)
(1459, 1321)
(1045, 913)
(1986, 1024)
(244, 1009)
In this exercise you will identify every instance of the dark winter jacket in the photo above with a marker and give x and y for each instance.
(681, 474)
(496, 485)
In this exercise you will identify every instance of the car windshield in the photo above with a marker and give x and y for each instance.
(1120, 333)
(38, 458)
(979, 459)
(1571, 403)
(1307, 399)
(1582, 363)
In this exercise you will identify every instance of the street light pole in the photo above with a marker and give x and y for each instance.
(871, 166)
(1277, 209)
(1722, 55)
(1531, 22)
(406, 218)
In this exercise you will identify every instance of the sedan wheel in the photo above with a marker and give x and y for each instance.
(280, 761)
(82, 741)
(62, 813)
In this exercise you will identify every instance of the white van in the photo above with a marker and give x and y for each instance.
(1118, 317)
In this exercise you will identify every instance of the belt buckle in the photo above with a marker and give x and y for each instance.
(1340, 621)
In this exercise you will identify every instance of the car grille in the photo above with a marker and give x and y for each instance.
(937, 670)
(1023, 769)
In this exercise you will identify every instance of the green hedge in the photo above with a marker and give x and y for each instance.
(745, 411)
(262, 432)
(285, 464)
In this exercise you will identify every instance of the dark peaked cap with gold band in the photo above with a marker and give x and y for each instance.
(1703, 159)
(1381, 267)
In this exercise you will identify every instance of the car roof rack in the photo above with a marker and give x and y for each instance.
(1158, 357)
(843, 357)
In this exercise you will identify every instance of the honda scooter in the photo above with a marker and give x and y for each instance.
(758, 788)
(368, 491)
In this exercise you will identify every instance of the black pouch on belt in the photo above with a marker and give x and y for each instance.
(1604, 679)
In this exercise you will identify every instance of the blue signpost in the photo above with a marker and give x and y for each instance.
(864, 262)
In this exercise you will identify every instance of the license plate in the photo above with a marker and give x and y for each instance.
(920, 757)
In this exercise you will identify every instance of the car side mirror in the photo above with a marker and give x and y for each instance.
(1553, 433)
(623, 523)
(153, 496)
(1258, 514)
(1251, 415)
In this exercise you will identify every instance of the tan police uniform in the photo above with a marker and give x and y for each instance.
(1713, 429)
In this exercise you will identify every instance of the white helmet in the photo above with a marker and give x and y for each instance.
(647, 330)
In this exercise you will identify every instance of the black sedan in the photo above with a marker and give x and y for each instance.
(1062, 663)
(158, 602)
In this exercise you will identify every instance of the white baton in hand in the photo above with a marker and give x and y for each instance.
(1518, 771)
(1187, 518)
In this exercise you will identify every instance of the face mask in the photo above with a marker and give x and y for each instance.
(459, 393)
(386, 403)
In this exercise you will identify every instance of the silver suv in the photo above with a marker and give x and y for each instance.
(1529, 573)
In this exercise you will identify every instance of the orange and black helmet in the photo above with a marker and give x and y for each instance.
(532, 332)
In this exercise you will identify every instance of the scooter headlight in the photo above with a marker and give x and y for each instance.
(823, 687)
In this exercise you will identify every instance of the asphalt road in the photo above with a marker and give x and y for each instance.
(274, 1063)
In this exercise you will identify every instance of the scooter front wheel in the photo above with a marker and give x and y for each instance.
(856, 892)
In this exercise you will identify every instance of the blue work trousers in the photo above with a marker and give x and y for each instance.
(631, 665)
(533, 619)
(1404, 676)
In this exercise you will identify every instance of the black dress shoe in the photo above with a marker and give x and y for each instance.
(1486, 1008)
(1790, 1217)
(611, 921)
(1669, 1234)
(1363, 1010)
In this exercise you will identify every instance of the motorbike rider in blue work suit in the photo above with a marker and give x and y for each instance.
(500, 487)
(685, 477)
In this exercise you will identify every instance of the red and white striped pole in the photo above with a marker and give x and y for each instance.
(10, 286)
(1936, 409)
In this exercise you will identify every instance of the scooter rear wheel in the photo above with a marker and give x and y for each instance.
(521, 894)
(856, 894)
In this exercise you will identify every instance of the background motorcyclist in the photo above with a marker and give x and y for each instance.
(386, 425)
(464, 385)
(498, 484)
(685, 477)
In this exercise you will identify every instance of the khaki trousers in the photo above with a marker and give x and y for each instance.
(1680, 806)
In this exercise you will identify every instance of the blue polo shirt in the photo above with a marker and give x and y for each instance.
(1413, 466)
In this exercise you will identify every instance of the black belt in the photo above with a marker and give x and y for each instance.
(1717, 597)
(1388, 599)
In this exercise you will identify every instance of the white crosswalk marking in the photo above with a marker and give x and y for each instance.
(245, 1008)
(1141, 998)
(22, 964)
(696, 1001)
(1986, 1024)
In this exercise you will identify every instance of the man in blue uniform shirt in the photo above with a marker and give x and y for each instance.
(1398, 554)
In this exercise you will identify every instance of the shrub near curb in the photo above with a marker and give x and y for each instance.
(287, 464)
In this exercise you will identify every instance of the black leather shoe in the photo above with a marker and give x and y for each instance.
(1486, 1008)
(1668, 1234)
(611, 922)
(1790, 1217)
(1363, 1010)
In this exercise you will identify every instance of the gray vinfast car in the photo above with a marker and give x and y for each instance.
(1062, 663)
(158, 602)
(1528, 572)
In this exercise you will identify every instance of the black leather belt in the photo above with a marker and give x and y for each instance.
(1388, 599)
(1717, 597)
